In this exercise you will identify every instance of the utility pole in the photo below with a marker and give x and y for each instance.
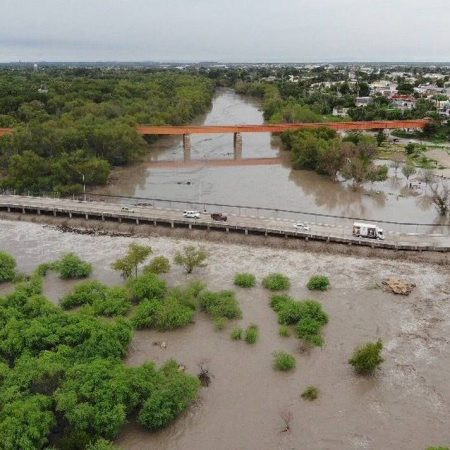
(84, 187)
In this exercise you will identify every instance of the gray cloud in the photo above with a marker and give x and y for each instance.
(232, 30)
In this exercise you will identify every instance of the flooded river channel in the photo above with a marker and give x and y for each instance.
(264, 178)
(404, 407)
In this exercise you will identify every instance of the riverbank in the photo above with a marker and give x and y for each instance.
(404, 406)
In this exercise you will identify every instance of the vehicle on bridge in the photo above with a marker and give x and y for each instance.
(191, 214)
(219, 217)
(302, 226)
(367, 230)
(127, 209)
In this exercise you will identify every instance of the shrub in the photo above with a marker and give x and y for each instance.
(318, 283)
(158, 265)
(174, 395)
(307, 316)
(172, 314)
(284, 331)
(220, 323)
(290, 313)
(438, 448)
(147, 286)
(276, 282)
(116, 303)
(278, 301)
(85, 293)
(101, 444)
(245, 280)
(7, 267)
(308, 329)
(367, 358)
(163, 315)
(70, 266)
(251, 334)
(283, 361)
(145, 315)
(191, 257)
(310, 393)
(188, 295)
(220, 304)
(236, 334)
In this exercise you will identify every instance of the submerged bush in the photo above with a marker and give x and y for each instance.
(318, 283)
(276, 282)
(7, 267)
(70, 266)
(188, 295)
(283, 361)
(284, 331)
(173, 314)
(307, 316)
(220, 304)
(173, 396)
(310, 393)
(245, 280)
(163, 315)
(251, 334)
(147, 286)
(145, 315)
(98, 299)
(116, 303)
(85, 293)
(158, 265)
(367, 358)
(236, 334)
(220, 323)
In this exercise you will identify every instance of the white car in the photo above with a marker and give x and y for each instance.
(301, 226)
(191, 214)
(127, 209)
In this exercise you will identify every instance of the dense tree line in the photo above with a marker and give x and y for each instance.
(81, 122)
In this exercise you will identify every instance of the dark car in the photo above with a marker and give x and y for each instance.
(219, 217)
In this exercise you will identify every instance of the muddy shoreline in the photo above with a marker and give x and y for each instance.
(112, 229)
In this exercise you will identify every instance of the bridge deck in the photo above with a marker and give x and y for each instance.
(265, 226)
(278, 128)
(268, 128)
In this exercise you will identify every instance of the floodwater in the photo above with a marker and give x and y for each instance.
(262, 178)
(404, 407)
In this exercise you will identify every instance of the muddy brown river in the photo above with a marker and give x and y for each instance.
(165, 175)
(404, 407)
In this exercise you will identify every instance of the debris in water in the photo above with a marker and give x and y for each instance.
(398, 286)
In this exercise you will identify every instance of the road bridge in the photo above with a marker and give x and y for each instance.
(150, 214)
(187, 130)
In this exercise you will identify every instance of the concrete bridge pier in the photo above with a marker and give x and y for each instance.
(187, 147)
(237, 145)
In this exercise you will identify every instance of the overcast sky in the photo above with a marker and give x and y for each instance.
(225, 30)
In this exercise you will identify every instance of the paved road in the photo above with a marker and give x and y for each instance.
(151, 213)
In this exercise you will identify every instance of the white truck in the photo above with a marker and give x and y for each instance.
(367, 230)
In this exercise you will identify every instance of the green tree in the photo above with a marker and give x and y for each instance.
(191, 257)
(408, 170)
(7, 267)
(158, 265)
(129, 264)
